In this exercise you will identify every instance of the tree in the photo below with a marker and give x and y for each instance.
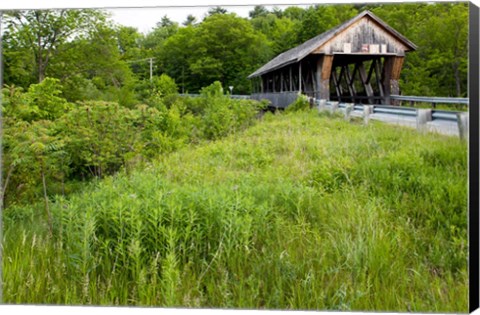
(41, 101)
(217, 10)
(175, 55)
(439, 65)
(91, 67)
(278, 12)
(153, 42)
(227, 49)
(224, 47)
(281, 33)
(165, 22)
(129, 40)
(44, 32)
(258, 11)
(451, 60)
(293, 13)
(33, 156)
(81, 48)
(132, 51)
(264, 24)
(191, 20)
(320, 18)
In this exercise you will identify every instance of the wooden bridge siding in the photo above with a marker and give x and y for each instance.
(392, 68)
(286, 79)
(365, 31)
(323, 73)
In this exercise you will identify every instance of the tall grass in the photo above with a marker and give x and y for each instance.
(300, 211)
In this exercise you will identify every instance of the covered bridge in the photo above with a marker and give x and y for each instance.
(358, 61)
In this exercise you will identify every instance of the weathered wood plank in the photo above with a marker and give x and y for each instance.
(335, 83)
(291, 79)
(322, 76)
(300, 76)
(365, 82)
(349, 78)
(363, 31)
(379, 78)
(392, 68)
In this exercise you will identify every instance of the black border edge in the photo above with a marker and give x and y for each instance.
(473, 222)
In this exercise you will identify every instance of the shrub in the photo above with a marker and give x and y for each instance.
(300, 104)
(41, 101)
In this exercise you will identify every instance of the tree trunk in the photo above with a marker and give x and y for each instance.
(457, 78)
(40, 66)
(41, 74)
(47, 209)
(10, 170)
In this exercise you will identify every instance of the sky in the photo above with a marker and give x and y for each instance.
(144, 19)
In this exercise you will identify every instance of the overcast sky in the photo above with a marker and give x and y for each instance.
(145, 19)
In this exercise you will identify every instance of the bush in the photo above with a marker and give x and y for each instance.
(97, 138)
(41, 101)
(300, 104)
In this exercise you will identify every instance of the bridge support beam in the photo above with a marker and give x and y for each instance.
(324, 69)
(391, 74)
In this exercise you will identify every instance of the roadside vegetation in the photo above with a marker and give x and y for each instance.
(300, 211)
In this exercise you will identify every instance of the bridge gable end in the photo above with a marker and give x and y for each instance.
(365, 35)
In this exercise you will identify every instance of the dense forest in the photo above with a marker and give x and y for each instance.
(128, 187)
(95, 59)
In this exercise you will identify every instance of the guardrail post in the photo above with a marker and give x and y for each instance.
(322, 103)
(348, 111)
(367, 110)
(423, 116)
(462, 121)
(334, 107)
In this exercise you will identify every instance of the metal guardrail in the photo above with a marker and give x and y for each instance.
(441, 121)
(402, 111)
(444, 115)
(394, 110)
(240, 97)
(433, 100)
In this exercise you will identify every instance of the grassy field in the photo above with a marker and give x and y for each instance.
(301, 211)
